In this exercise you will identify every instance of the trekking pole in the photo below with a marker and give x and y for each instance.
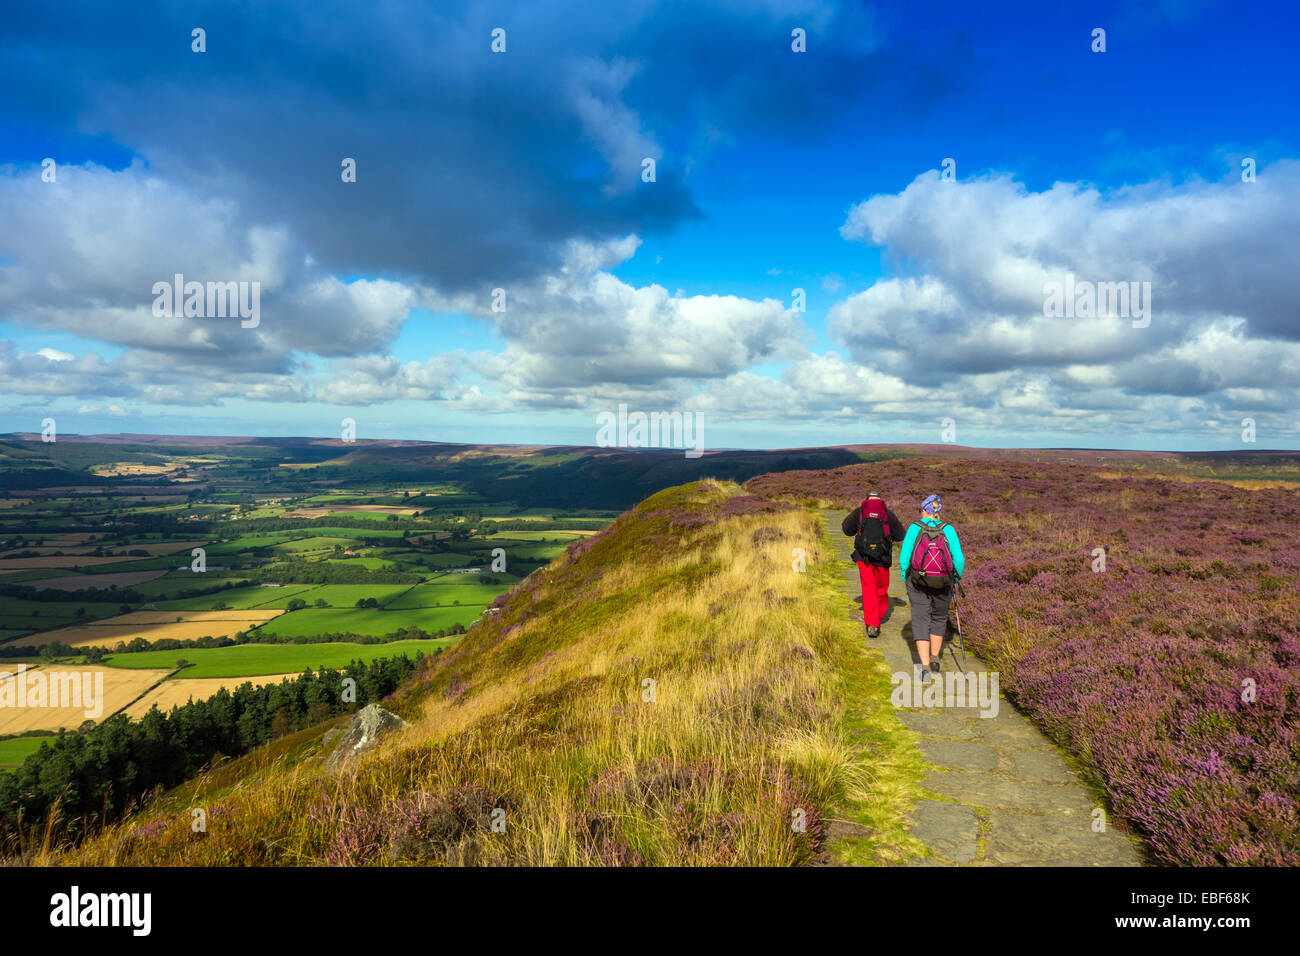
(956, 612)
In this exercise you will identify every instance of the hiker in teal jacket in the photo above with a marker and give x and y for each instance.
(930, 589)
(909, 542)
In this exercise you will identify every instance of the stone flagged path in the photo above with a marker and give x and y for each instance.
(998, 793)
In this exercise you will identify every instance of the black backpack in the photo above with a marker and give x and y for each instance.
(872, 540)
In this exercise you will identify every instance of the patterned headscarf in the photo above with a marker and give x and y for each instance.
(931, 505)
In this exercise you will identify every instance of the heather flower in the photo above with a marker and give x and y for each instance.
(1140, 669)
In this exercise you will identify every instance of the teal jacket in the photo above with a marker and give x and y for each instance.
(909, 542)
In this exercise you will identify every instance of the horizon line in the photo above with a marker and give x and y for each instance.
(328, 440)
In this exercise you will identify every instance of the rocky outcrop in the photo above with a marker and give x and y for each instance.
(362, 731)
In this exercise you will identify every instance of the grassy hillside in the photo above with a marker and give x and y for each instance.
(670, 691)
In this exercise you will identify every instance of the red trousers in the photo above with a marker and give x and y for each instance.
(875, 592)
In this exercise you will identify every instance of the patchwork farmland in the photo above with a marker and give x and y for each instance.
(152, 626)
(223, 570)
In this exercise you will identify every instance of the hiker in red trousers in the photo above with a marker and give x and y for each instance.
(874, 529)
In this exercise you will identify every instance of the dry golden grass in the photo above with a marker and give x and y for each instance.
(121, 686)
(120, 469)
(177, 693)
(153, 626)
(1065, 537)
(496, 451)
(168, 617)
(1247, 484)
(579, 532)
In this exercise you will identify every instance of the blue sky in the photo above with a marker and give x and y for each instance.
(775, 170)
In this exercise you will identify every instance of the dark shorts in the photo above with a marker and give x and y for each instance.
(929, 611)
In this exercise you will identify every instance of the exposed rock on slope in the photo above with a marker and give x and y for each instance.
(360, 734)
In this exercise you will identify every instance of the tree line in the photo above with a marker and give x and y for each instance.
(97, 776)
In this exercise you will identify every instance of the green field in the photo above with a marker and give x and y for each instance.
(14, 627)
(19, 617)
(414, 561)
(378, 517)
(350, 533)
(347, 595)
(15, 750)
(240, 598)
(18, 607)
(247, 542)
(370, 564)
(336, 595)
(169, 561)
(544, 552)
(369, 621)
(35, 574)
(562, 536)
(250, 660)
(178, 581)
(314, 543)
(451, 559)
(446, 590)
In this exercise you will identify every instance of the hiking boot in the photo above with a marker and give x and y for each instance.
(873, 632)
(926, 675)
(934, 667)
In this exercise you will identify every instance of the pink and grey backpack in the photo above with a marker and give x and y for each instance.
(931, 560)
